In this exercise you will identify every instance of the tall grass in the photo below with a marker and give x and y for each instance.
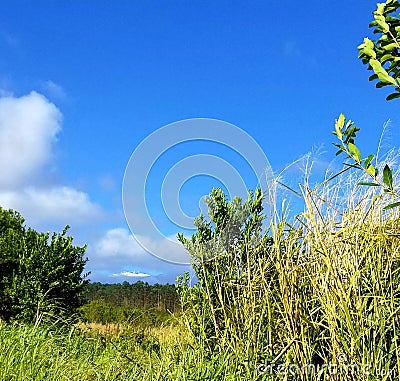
(322, 302)
(47, 353)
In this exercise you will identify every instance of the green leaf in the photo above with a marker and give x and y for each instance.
(379, 10)
(368, 52)
(385, 58)
(379, 85)
(380, 19)
(355, 152)
(391, 206)
(390, 47)
(369, 184)
(368, 43)
(367, 161)
(338, 132)
(350, 132)
(381, 72)
(341, 148)
(393, 96)
(340, 122)
(387, 177)
(372, 171)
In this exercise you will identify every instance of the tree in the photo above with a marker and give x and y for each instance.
(11, 247)
(382, 55)
(162, 297)
(226, 253)
(39, 273)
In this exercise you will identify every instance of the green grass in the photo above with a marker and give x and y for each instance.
(47, 353)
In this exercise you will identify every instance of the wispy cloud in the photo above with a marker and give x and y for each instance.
(132, 274)
(9, 39)
(54, 90)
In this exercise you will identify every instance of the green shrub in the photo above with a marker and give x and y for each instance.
(99, 311)
(40, 274)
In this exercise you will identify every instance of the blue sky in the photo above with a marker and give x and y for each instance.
(83, 84)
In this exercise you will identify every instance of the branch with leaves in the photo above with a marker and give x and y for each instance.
(383, 55)
(346, 131)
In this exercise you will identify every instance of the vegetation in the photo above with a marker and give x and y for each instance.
(162, 297)
(382, 55)
(98, 311)
(310, 297)
(51, 353)
(40, 275)
(227, 252)
(325, 290)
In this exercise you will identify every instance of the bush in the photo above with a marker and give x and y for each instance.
(99, 311)
(39, 274)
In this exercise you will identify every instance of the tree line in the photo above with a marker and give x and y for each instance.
(161, 297)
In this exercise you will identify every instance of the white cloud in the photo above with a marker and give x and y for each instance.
(167, 248)
(117, 253)
(118, 242)
(57, 204)
(132, 274)
(28, 128)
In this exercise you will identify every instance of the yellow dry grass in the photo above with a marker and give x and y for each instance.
(168, 334)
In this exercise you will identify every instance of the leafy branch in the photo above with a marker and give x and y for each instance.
(346, 132)
(382, 55)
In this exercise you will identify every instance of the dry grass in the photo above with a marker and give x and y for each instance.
(166, 335)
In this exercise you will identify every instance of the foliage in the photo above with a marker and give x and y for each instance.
(40, 274)
(229, 253)
(11, 246)
(346, 133)
(382, 55)
(99, 311)
(324, 288)
(140, 294)
(317, 299)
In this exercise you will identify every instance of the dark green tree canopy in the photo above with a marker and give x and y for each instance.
(39, 273)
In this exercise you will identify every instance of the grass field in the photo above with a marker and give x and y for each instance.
(104, 352)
